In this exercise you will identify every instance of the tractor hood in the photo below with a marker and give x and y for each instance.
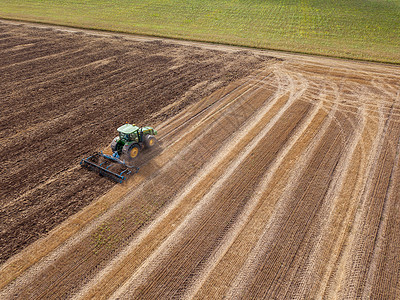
(127, 128)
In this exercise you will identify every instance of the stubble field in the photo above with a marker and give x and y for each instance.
(275, 177)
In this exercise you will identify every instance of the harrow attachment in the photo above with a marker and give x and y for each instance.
(110, 166)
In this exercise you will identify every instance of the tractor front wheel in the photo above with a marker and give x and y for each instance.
(149, 141)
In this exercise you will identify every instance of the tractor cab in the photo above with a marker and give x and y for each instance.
(128, 133)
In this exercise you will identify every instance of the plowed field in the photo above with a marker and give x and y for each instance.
(275, 178)
(63, 94)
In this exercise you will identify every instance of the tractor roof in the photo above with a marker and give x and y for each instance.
(127, 128)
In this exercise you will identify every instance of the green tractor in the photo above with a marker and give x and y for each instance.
(125, 147)
(132, 140)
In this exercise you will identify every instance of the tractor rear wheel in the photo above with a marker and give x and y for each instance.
(133, 151)
(150, 141)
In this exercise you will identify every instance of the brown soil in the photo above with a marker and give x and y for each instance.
(281, 184)
(62, 97)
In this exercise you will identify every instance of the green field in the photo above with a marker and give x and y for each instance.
(360, 29)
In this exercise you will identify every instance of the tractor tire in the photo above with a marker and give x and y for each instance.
(114, 144)
(150, 141)
(133, 151)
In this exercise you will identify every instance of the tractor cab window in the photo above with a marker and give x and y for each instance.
(133, 136)
(124, 136)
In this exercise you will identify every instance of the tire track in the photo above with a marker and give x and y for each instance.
(307, 278)
(351, 199)
(343, 213)
(252, 232)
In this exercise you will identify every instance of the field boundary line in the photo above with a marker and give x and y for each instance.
(199, 41)
(284, 54)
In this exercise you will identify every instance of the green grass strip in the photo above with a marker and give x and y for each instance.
(358, 29)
